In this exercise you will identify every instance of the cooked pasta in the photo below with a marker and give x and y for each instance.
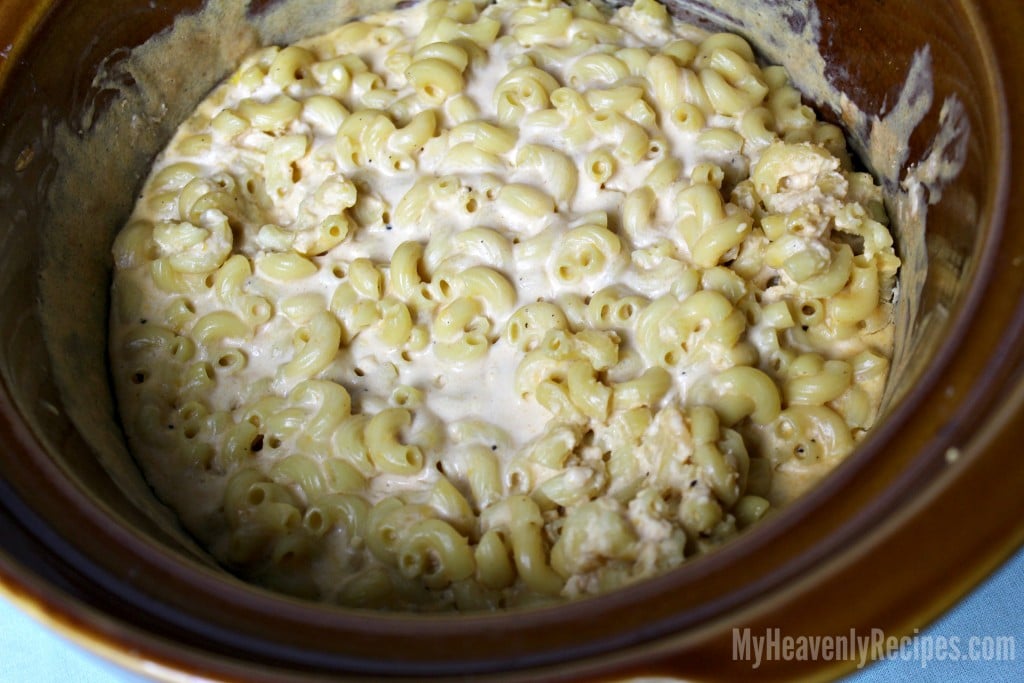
(475, 305)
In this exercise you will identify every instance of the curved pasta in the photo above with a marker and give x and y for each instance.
(436, 553)
(710, 228)
(584, 253)
(806, 434)
(741, 392)
(386, 449)
(316, 352)
(666, 328)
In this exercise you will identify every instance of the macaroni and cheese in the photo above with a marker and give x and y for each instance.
(472, 305)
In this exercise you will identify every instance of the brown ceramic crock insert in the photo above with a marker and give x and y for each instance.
(891, 539)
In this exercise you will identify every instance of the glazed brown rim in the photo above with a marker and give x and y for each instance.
(998, 373)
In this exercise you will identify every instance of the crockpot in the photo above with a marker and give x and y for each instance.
(927, 506)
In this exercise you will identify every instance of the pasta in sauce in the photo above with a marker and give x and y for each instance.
(475, 305)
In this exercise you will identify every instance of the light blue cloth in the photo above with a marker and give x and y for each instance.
(989, 624)
(29, 653)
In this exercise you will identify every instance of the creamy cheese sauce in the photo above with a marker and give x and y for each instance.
(232, 431)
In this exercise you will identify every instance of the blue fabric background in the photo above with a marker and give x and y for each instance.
(29, 653)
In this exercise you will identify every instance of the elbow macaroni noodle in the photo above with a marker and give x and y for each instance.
(475, 305)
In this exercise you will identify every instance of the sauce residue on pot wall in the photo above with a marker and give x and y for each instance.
(104, 150)
(133, 103)
(791, 35)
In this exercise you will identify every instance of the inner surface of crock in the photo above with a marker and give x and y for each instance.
(83, 149)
